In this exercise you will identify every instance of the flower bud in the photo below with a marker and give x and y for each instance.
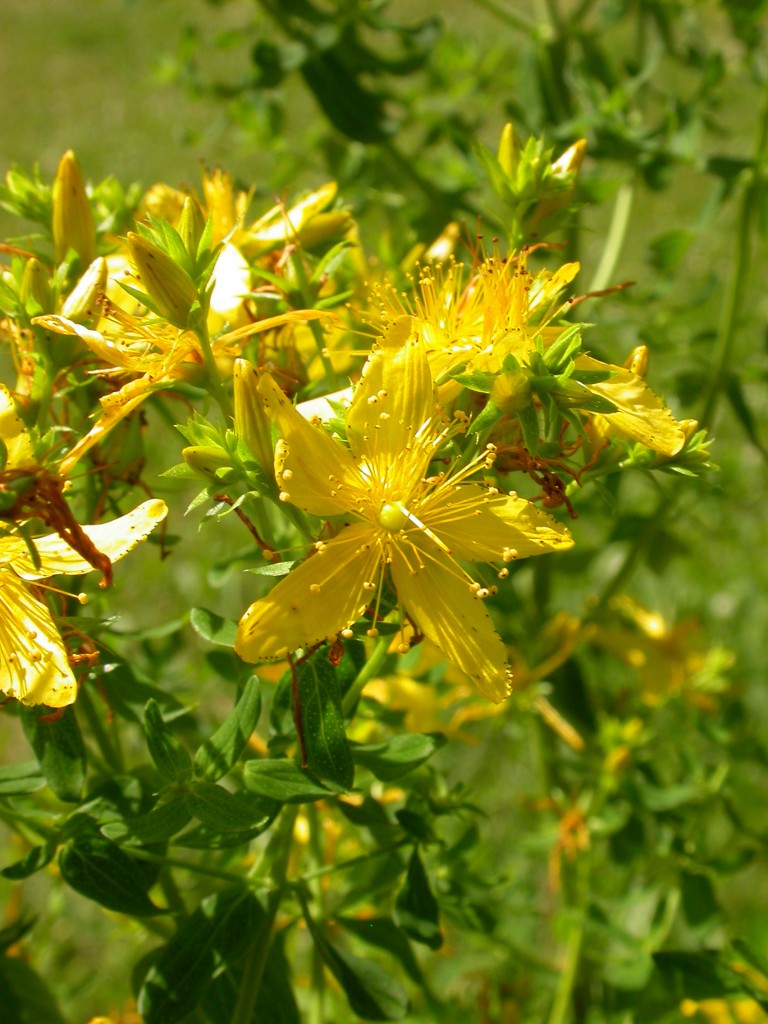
(191, 225)
(637, 361)
(279, 225)
(252, 423)
(72, 225)
(35, 291)
(509, 150)
(511, 391)
(168, 285)
(80, 304)
(206, 459)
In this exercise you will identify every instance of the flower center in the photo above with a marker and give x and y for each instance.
(392, 517)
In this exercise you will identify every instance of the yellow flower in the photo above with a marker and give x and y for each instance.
(418, 528)
(34, 666)
(502, 310)
(159, 353)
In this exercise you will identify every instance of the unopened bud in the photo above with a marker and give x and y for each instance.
(445, 244)
(279, 225)
(35, 291)
(509, 150)
(206, 459)
(511, 392)
(80, 304)
(688, 427)
(72, 225)
(252, 423)
(323, 227)
(637, 361)
(571, 160)
(191, 225)
(168, 285)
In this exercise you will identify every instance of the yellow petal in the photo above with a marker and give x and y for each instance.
(641, 415)
(315, 601)
(314, 471)
(394, 400)
(114, 539)
(447, 613)
(34, 667)
(114, 408)
(14, 434)
(480, 528)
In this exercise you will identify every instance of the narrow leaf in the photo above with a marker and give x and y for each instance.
(283, 780)
(172, 760)
(98, 869)
(219, 754)
(220, 930)
(325, 738)
(59, 749)
(400, 755)
(213, 628)
(416, 908)
(230, 812)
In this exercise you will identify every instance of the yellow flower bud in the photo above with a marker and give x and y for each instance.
(324, 226)
(191, 225)
(509, 150)
(205, 459)
(637, 361)
(511, 392)
(35, 291)
(73, 226)
(689, 428)
(279, 225)
(168, 285)
(252, 422)
(571, 160)
(80, 304)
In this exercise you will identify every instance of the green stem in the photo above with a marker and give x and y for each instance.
(617, 233)
(366, 673)
(737, 286)
(212, 371)
(510, 17)
(109, 750)
(197, 869)
(276, 864)
(564, 992)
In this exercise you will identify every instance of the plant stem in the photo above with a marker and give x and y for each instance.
(737, 286)
(366, 673)
(617, 232)
(214, 377)
(109, 750)
(276, 863)
(562, 1004)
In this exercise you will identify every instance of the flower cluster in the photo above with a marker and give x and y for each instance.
(398, 481)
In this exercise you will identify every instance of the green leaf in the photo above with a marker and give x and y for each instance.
(37, 858)
(26, 997)
(668, 250)
(172, 760)
(17, 779)
(283, 780)
(400, 755)
(325, 738)
(272, 569)
(416, 909)
(699, 902)
(371, 992)
(213, 627)
(127, 695)
(98, 869)
(383, 933)
(217, 933)
(220, 753)
(59, 749)
(230, 812)
(156, 827)
(276, 1003)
